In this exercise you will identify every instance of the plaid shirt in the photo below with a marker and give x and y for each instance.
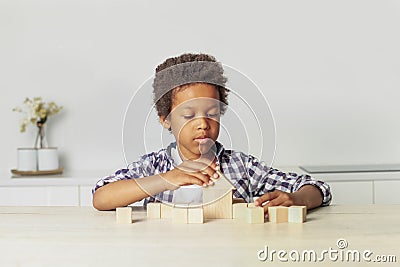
(250, 176)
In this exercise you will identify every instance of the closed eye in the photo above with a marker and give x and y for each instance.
(213, 115)
(188, 117)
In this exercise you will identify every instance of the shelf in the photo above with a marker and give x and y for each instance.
(79, 177)
(345, 176)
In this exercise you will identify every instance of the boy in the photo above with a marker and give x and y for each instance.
(190, 96)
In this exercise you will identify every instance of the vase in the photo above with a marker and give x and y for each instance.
(41, 141)
(27, 159)
(47, 159)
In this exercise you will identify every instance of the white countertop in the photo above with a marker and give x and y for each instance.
(82, 236)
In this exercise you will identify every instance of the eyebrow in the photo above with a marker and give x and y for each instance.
(190, 107)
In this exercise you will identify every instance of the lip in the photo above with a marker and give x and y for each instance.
(202, 139)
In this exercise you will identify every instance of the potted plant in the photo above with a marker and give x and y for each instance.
(37, 113)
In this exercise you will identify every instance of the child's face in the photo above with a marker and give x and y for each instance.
(194, 119)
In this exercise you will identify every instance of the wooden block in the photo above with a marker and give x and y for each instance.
(238, 200)
(217, 203)
(124, 215)
(278, 214)
(255, 215)
(221, 183)
(166, 210)
(223, 207)
(217, 199)
(212, 194)
(180, 213)
(209, 211)
(209, 197)
(297, 214)
(239, 211)
(195, 214)
(153, 210)
(251, 205)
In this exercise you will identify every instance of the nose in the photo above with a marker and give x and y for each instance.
(202, 123)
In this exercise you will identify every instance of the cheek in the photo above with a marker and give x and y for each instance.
(180, 126)
(215, 124)
(214, 128)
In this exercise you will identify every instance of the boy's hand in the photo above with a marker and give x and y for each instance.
(192, 172)
(308, 195)
(275, 198)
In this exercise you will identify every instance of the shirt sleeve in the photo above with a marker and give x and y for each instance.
(264, 179)
(137, 169)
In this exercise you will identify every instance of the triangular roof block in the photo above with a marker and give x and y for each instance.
(221, 183)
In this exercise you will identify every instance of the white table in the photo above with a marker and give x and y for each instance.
(82, 236)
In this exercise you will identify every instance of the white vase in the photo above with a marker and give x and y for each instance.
(27, 159)
(47, 159)
(41, 140)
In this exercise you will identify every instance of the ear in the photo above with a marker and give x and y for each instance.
(165, 122)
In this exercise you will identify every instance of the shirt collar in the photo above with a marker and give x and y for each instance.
(220, 151)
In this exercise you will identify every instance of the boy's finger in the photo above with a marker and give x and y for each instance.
(279, 201)
(275, 202)
(266, 197)
(214, 165)
(211, 173)
(186, 168)
(194, 180)
(202, 177)
(206, 170)
(211, 165)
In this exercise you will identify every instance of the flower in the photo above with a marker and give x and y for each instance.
(36, 112)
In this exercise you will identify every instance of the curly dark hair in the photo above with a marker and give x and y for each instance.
(178, 72)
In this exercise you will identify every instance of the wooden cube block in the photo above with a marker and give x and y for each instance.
(238, 200)
(153, 210)
(278, 214)
(223, 207)
(195, 214)
(297, 214)
(209, 197)
(240, 211)
(209, 211)
(251, 205)
(217, 199)
(124, 215)
(180, 213)
(217, 203)
(255, 215)
(166, 210)
(222, 182)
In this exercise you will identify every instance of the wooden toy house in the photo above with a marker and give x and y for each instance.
(217, 199)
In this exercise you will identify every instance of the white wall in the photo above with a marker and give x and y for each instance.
(330, 70)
